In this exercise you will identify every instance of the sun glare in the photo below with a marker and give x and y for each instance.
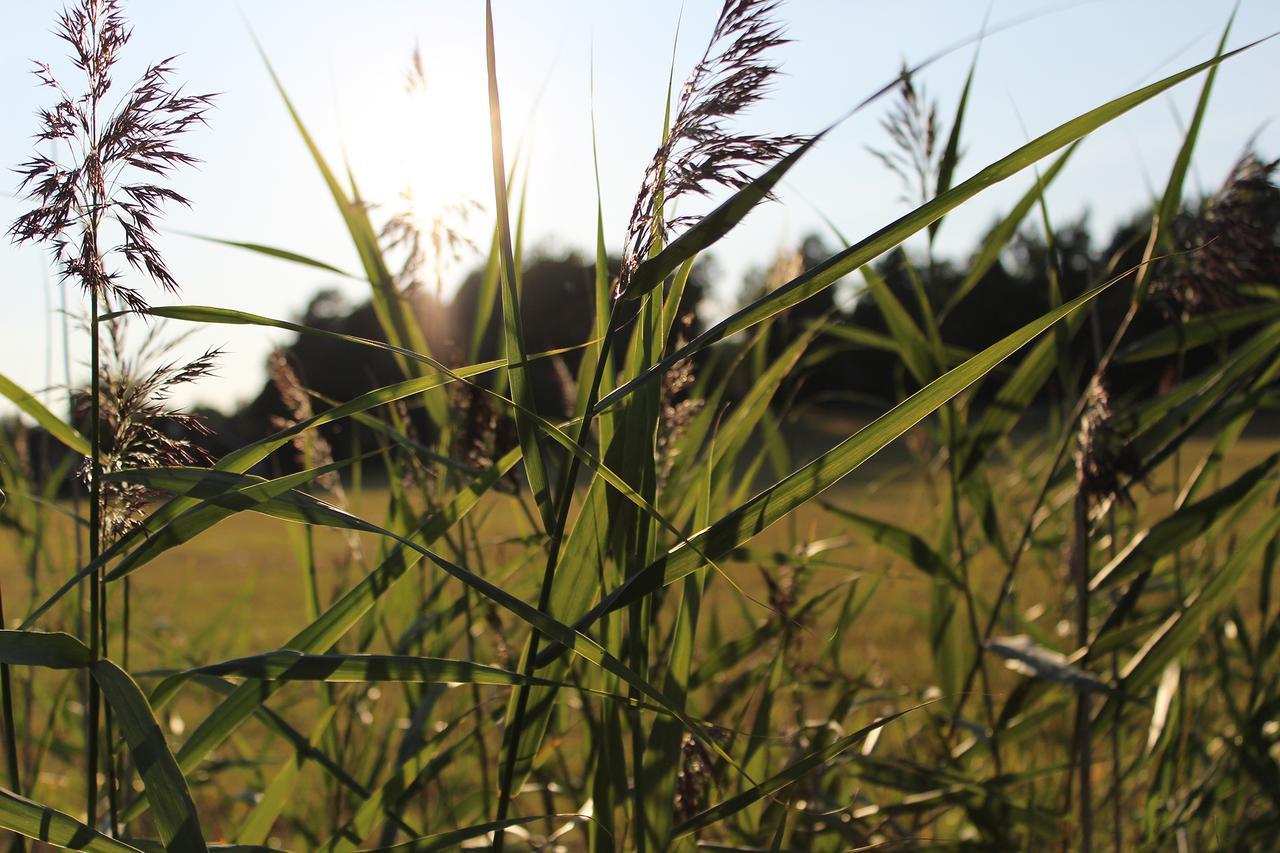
(422, 151)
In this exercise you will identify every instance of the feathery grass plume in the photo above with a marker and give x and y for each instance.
(112, 159)
(415, 79)
(913, 129)
(430, 244)
(1233, 240)
(141, 429)
(700, 152)
(1106, 463)
(481, 434)
(312, 447)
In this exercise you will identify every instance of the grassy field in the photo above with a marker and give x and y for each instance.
(201, 599)
(1029, 605)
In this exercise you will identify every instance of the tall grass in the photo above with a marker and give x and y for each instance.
(560, 641)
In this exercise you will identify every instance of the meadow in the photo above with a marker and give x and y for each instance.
(1024, 601)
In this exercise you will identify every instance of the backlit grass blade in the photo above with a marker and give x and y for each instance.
(1000, 236)
(286, 665)
(56, 427)
(951, 153)
(278, 253)
(513, 331)
(50, 826)
(1196, 332)
(836, 267)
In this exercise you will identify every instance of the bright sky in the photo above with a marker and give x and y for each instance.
(344, 64)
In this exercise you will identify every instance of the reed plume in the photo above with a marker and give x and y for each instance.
(701, 152)
(114, 159)
(141, 427)
(913, 129)
(1233, 242)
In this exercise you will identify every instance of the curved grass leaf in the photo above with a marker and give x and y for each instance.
(54, 425)
(274, 252)
(166, 789)
(1198, 331)
(51, 650)
(50, 826)
(1185, 525)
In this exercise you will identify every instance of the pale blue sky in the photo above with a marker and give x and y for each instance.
(344, 64)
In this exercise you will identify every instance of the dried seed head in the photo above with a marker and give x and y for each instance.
(1233, 241)
(312, 447)
(431, 245)
(415, 79)
(139, 427)
(700, 152)
(693, 779)
(1106, 464)
(112, 159)
(482, 435)
(913, 130)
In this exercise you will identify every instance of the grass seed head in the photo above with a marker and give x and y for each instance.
(701, 152)
(115, 160)
(1233, 241)
(1106, 463)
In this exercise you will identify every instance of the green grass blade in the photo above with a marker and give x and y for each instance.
(286, 665)
(1196, 332)
(50, 826)
(513, 332)
(1171, 202)
(278, 253)
(1185, 525)
(996, 241)
(55, 426)
(1185, 624)
(951, 153)
(164, 785)
(51, 650)
(900, 541)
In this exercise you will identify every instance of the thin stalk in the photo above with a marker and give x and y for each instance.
(10, 724)
(970, 608)
(95, 548)
(1084, 725)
